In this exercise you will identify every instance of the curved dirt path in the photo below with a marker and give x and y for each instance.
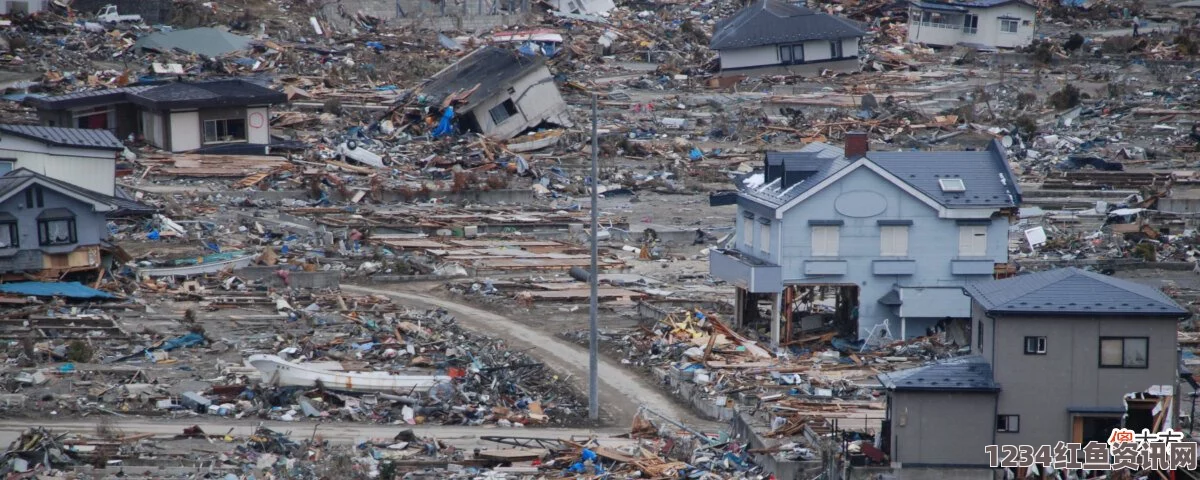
(621, 391)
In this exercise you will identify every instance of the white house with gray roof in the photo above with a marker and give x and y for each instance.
(884, 239)
(976, 23)
(772, 37)
(1055, 357)
(82, 157)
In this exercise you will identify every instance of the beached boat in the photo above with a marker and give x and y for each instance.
(533, 142)
(200, 266)
(276, 370)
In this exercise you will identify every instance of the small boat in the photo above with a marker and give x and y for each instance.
(533, 142)
(200, 266)
(276, 370)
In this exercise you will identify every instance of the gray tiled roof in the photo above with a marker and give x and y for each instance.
(96, 139)
(769, 22)
(491, 68)
(16, 178)
(969, 373)
(986, 174)
(1071, 291)
(93, 97)
(216, 93)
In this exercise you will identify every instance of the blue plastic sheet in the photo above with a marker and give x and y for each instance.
(189, 340)
(444, 127)
(53, 289)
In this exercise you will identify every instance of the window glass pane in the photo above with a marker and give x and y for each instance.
(1014, 423)
(210, 131)
(6, 235)
(237, 129)
(59, 231)
(5, 167)
(1135, 352)
(1110, 352)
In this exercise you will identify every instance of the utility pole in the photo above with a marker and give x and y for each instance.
(594, 281)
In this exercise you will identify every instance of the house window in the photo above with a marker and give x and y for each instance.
(893, 241)
(1009, 25)
(971, 24)
(835, 48)
(225, 130)
(952, 185)
(979, 336)
(825, 241)
(6, 165)
(1035, 345)
(503, 111)
(34, 197)
(764, 232)
(791, 54)
(1124, 352)
(56, 227)
(1008, 423)
(8, 233)
(972, 240)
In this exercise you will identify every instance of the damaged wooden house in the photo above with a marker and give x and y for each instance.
(499, 93)
(983, 24)
(50, 228)
(873, 244)
(1056, 356)
(212, 116)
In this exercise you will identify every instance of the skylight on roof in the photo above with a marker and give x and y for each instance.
(952, 185)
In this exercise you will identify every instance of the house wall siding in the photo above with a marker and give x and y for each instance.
(90, 228)
(941, 427)
(988, 32)
(932, 243)
(91, 169)
(1071, 366)
(749, 57)
(185, 131)
(258, 125)
(536, 98)
(31, 6)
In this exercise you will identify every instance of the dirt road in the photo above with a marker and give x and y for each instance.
(621, 391)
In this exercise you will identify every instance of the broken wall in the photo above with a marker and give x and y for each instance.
(465, 15)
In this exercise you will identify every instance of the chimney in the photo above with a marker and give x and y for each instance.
(856, 144)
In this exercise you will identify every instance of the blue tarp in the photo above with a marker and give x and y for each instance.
(444, 127)
(53, 289)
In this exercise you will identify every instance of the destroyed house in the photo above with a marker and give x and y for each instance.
(497, 92)
(1053, 356)
(976, 23)
(228, 116)
(82, 157)
(778, 37)
(49, 228)
(883, 239)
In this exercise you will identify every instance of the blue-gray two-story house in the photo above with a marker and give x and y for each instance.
(885, 239)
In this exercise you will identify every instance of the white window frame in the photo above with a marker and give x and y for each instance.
(825, 240)
(1015, 22)
(952, 185)
(972, 240)
(1008, 423)
(893, 240)
(764, 232)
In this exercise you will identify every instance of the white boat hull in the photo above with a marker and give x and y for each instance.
(281, 372)
(199, 269)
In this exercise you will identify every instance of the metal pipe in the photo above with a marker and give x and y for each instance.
(593, 280)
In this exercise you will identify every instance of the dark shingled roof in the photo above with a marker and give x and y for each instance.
(231, 92)
(1071, 291)
(492, 68)
(969, 373)
(769, 22)
(124, 206)
(988, 179)
(94, 139)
